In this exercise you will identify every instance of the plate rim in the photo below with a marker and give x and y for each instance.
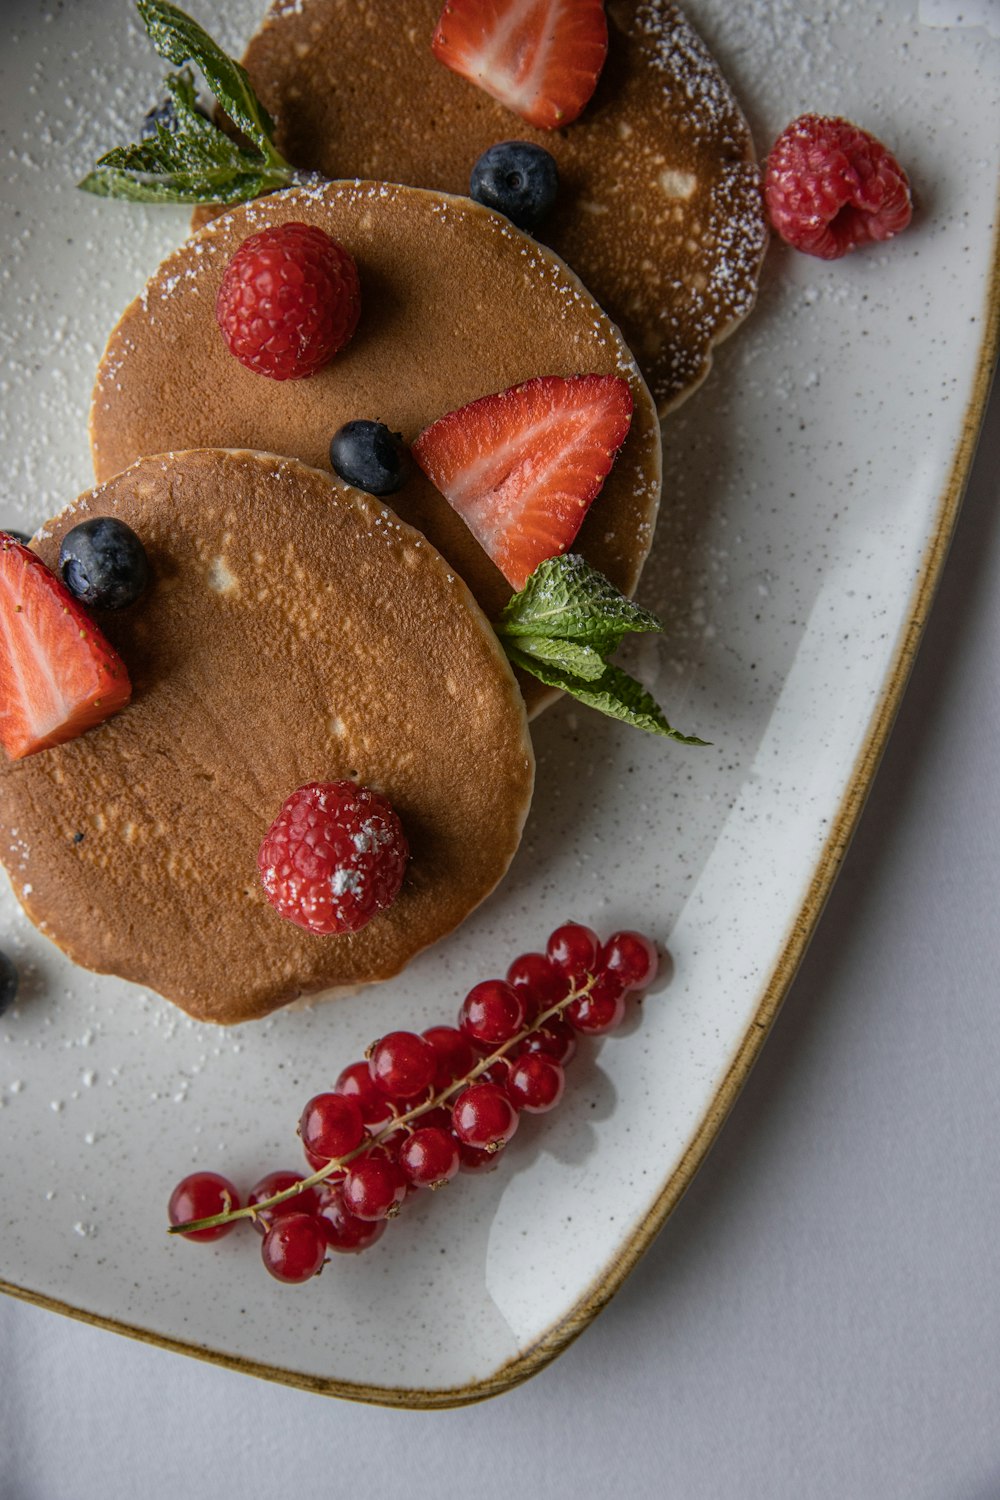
(595, 1297)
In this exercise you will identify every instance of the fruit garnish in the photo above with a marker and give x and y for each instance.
(289, 300)
(830, 186)
(444, 1102)
(103, 563)
(198, 1196)
(188, 159)
(370, 457)
(540, 58)
(562, 626)
(58, 674)
(522, 467)
(334, 857)
(517, 178)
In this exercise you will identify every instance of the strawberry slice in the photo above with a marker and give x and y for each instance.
(522, 467)
(540, 58)
(58, 675)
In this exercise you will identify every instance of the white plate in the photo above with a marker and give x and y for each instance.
(811, 488)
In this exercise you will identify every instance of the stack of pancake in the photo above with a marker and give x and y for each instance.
(297, 630)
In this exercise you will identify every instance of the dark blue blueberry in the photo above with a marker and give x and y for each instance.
(517, 179)
(103, 563)
(8, 983)
(369, 456)
(164, 114)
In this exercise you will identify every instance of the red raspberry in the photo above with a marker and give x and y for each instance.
(333, 857)
(289, 300)
(830, 186)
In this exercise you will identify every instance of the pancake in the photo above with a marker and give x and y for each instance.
(660, 210)
(455, 304)
(295, 631)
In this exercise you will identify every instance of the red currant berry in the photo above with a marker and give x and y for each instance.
(537, 981)
(331, 1126)
(305, 1202)
(294, 1247)
(344, 1233)
(430, 1157)
(483, 1116)
(492, 1012)
(357, 1083)
(320, 1164)
(573, 949)
(601, 1009)
(374, 1187)
(201, 1196)
(632, 957)
(454, 1054)
(403, 1065)
(497, 1074)
(472, 1159)
(536, 1083)
(556, 1039)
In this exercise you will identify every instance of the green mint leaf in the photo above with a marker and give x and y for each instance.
(569, 656)
(567, 599)
(180, 39)
(614, 693)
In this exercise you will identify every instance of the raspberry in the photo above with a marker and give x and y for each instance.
(289, 300)
(334, 857)
(830, 186)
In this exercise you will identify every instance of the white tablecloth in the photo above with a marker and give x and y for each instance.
(820, 1319)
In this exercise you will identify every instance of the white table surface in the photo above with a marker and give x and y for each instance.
(821, 1316)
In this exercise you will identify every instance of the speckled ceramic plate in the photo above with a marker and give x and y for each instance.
(811, 488)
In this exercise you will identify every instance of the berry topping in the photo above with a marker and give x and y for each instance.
(103, 563)
(830, 186)
(537, 980)
(331, 1126)
(601, 1009)
(289, 301)
(200, 1196)
(518, 179)
(540, 58)
(403, 1065)
(306, 1201)
(369, 456)
(484, 1117)
(58, 675)
(357, 1083)
(19, 536)
(523, 467)
(492, 1012)
(334, 857)
(344, 1233)
(294, 1248)
(8, 984)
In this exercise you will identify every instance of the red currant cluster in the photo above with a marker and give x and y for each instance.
(422, 1108)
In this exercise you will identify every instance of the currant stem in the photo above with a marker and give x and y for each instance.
(337, 1164)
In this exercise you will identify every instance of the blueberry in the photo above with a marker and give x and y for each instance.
(164, 114)
(8, 983)
(518, 179)
(369, 456)
(103, 563)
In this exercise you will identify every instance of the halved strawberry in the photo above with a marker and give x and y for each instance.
(58, 675)
(523, 467)
(541, 58)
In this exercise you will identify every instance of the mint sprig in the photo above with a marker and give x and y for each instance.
(197, 162)
(561, 628)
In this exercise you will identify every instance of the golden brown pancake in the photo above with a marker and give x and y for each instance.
(659, 212)
(295, 631)
(455, 304)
